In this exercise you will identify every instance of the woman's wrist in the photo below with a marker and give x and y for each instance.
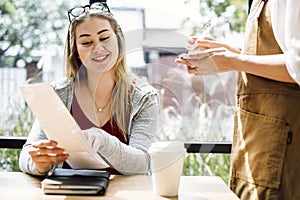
(44, 170)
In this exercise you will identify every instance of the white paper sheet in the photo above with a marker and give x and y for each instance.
(59, 125)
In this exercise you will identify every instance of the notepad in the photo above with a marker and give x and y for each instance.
(59, 125)
(80, 182)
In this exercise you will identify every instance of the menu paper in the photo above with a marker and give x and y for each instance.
(59, 125)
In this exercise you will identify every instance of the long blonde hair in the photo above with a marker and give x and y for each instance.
(120, 97)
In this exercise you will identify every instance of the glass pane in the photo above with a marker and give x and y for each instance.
(194, 108)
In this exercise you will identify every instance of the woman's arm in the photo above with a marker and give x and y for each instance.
(25, 161)
(133, 158)
(37, 155)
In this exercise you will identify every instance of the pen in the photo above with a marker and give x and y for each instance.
(204, 33)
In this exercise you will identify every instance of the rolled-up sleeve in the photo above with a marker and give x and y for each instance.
(292, 38)
(285, 15)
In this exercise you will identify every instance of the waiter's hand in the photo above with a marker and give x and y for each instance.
(209, 57)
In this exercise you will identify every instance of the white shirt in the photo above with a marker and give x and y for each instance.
(285, 16)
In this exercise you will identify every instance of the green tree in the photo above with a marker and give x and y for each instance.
(230, 13)
(29, 25)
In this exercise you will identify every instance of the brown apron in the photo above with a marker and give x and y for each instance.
(265, 159)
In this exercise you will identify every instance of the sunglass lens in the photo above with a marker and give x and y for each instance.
(77, 11)
(100, 6)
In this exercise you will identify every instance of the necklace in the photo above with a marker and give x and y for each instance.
(100, 109)
(93, 97)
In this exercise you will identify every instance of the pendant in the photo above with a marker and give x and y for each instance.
(100, 109)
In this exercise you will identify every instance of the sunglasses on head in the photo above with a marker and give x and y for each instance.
(79, 10)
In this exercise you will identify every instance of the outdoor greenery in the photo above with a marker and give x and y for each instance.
(207, 165)
(28, 25)
(25, 26)
(9, 160)
(18, 119)
(209, 121)
(17, 122)
(227, 15)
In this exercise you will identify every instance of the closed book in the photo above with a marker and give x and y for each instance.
(74, 181)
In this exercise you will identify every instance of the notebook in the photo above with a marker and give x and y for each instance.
(59, 125)
(79, 182)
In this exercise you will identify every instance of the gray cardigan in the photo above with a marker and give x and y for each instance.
(142, 129)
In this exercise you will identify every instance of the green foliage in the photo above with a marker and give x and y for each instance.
(29, 25)
(9, 160)
(239, 15)
(17, 122)
(25, 26)
(229, 14)
(197, 164)
(18, 119)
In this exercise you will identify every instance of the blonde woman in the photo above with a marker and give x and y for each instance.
(117, 110)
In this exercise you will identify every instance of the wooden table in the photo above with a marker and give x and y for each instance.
(17, 185)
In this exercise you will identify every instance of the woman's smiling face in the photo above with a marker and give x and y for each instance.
(97, 44)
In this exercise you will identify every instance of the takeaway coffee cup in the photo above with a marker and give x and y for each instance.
(167, 158)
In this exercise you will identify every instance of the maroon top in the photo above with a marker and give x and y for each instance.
(85, 123)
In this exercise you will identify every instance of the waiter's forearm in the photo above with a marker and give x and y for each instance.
(269, 66)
